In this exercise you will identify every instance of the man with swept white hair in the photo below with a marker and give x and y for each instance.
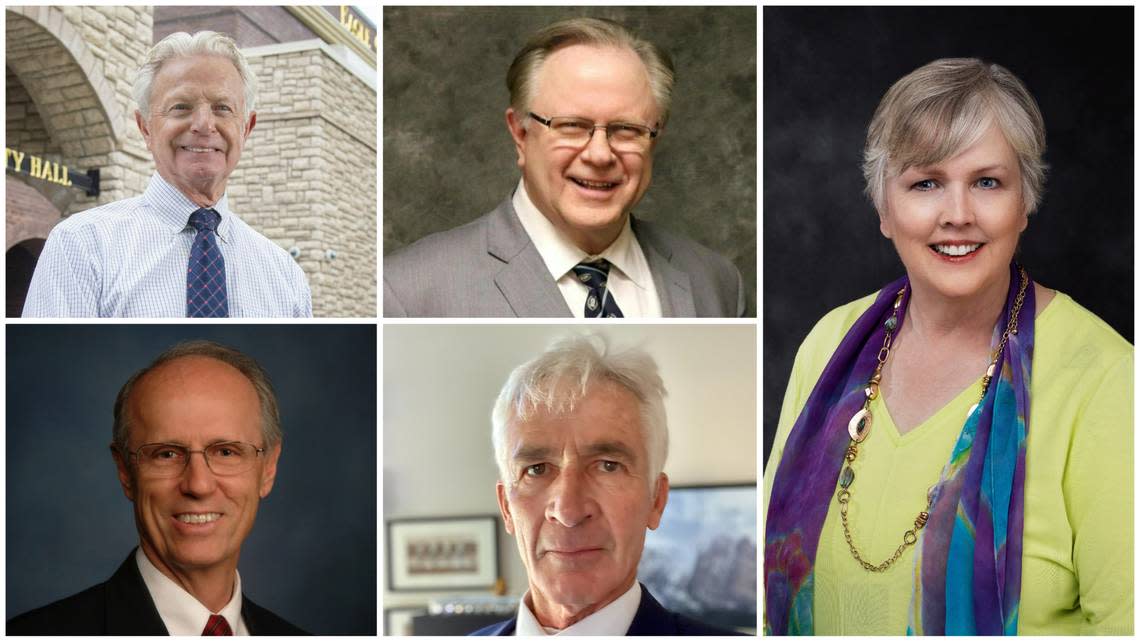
(580, 439)
(177, 250)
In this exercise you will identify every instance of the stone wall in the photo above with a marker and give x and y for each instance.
(307, 178)
(77, 65)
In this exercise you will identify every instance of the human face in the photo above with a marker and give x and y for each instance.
(195, 401)
(196, 127)
(578, 501)
(956, 224)
(586, 191)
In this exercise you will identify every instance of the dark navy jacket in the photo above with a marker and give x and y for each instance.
(651, 619)
(123, 606)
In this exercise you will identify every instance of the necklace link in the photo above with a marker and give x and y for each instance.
(860, 427)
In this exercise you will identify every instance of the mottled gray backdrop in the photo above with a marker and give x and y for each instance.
(448, 158)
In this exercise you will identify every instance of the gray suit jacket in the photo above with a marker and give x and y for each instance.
(490, 268)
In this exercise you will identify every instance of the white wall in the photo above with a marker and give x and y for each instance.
(440, 382)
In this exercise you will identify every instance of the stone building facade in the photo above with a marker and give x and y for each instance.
(307, 179)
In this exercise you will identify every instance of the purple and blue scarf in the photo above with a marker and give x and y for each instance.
(967, 572)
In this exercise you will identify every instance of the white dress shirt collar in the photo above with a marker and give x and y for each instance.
(560, 254)
(614, 618)
(174, 208)
(181, 612)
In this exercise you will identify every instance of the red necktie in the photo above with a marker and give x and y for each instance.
(217, 625)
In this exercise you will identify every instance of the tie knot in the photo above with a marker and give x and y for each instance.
(217, 625)
(205, 219)
(593, 274)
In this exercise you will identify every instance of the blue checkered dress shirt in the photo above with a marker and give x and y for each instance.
(128, 259)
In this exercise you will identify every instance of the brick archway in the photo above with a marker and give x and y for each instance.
(74, 65)
(58, 69)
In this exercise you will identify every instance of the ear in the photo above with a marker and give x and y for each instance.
(249, 126)
(269, 470)
(141, 122)
(518, 133)
(659, 501)
(124, 470)
(884, 222)
(504, 507)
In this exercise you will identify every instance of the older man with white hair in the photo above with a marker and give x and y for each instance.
(177, 250)
(580, 439)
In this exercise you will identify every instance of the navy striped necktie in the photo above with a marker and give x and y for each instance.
(599, 302)
(206, 271)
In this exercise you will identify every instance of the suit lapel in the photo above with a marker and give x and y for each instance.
(673, 287)
(130, 609)
(651, 618)
(523, 280)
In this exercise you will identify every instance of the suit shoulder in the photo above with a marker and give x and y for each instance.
(438, 247)
(262, 621)
(688, 626)
(679, 243)
(79, 614)
(498, 628)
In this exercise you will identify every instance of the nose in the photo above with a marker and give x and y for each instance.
(197, 478)
(570, 503)
(203, 121)
(958, 208)
(597, 150)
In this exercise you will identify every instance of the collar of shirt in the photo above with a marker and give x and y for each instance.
(614, 618)
(173, 208)
(560, 255)
(181, 612)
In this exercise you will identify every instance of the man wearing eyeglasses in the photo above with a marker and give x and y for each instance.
(197, 437)
(589, 100)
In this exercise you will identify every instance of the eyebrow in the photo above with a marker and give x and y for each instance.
(990, 168)
(611, 448)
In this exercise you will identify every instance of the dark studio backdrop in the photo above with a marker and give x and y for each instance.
(311, 557)
(448, 158)
(825, 70)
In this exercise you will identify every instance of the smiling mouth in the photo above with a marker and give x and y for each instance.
(198, 518)
(594, 185)
(200, 150)
(956, 250)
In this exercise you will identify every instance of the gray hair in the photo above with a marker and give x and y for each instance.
(202, 43)
(270, 417)
(942, 108)
(559, 378)
(589, 31)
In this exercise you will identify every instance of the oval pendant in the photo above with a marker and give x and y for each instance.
(859, 426)
(847, 477)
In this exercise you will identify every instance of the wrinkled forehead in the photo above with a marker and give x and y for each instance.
(566, 409)
(193, 389)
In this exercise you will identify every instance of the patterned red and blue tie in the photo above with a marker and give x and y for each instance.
(206, 271)
(217, 625)
(599, 302)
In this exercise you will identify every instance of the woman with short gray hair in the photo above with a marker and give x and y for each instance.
(954, 451)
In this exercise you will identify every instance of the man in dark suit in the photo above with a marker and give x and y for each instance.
(580, 439)
(589, 100)
(192, 514)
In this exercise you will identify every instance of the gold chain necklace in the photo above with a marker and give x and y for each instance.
(860, 426)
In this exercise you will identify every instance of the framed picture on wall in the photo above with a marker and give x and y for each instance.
(398, 619)
(443, 553)
(701, 560)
